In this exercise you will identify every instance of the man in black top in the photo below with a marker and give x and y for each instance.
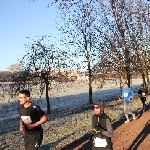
(143, 93)
(102, 130)
(31, 118)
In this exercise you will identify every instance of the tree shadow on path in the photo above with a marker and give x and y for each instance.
(85, 144)
(139, 139)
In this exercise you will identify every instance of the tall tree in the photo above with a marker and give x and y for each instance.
(122, 33)
(125, 31)
(81, 36)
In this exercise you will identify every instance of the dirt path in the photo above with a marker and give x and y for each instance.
(135, 135)
(132, 136)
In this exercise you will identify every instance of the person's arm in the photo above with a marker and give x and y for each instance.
(132, 94)
(109, 128)
(91, 130)
(120, 98)
(139, 91)
(21, 125)
(94, 123)
(41, 121)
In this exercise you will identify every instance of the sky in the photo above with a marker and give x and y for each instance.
(20, 19)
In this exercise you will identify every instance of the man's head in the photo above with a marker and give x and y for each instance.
(24, 97)
(125, 85)
(99, 107)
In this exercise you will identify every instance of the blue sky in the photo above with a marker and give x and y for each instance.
(20, 19)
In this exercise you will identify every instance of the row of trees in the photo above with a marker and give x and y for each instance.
(109, 35)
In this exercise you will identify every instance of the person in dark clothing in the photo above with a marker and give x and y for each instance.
(31, 118)
(143, 93)
(102, 129)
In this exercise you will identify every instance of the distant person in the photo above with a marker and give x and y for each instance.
(143, 93)
(102, 129)
(31, 118)
(127, 96)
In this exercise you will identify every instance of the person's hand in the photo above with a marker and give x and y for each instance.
(129, 98)
(120, 98)
(99, 128)
(90, 137)
(21, 129)
(30, 126)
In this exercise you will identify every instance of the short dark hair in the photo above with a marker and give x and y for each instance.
(26, 92)
(125, 83)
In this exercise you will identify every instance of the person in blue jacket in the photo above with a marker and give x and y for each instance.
(127, 96)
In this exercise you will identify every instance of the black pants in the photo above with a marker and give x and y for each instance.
(31, 139)
(143, 99)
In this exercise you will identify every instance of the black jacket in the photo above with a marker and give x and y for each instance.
(143, 92)
(101, 124)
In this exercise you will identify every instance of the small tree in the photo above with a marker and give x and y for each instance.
(14, 68)
(41, 60)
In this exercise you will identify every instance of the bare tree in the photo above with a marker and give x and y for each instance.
(81, 36)
(124, 29)
(123, 40)
(41, 60)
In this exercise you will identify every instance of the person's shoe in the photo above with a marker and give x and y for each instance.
(127, 121)
(143, 110)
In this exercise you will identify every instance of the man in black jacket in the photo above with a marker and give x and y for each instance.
(143, 93)
(31, 118)
(102, 129)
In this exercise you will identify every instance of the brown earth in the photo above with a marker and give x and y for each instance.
(132, 136)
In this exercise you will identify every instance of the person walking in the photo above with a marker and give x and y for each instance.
(127, 96)
(31, 118)
(143, 93)
(102, 129)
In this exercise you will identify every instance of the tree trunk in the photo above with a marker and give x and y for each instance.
(128, 79)
(90, 83)
(47, 98)
(148, 87)
(131, 81)
(120, 78)
(90, 91)
(148, 81)
(144, 81)
(128, 75)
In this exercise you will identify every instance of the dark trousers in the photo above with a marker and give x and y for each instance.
(31, 139)
(143, 99)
